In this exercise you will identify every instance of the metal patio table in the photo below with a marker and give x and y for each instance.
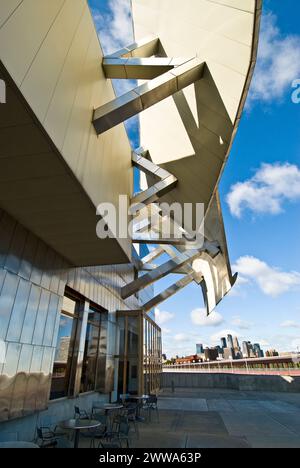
(110, 409)
(78, 425)
(140, 399)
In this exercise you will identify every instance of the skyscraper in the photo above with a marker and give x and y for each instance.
(245, 349)
(257, 350)
(236, 344)
(199, 349)
(230, 341)
(223, 343)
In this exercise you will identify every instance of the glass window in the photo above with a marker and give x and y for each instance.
(94, 360)
(65, 349)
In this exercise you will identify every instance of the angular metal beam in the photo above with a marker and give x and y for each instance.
(141, 98)
(146, 47)
(136, 68)
(169, 292)
(166, 183)
(162, 271)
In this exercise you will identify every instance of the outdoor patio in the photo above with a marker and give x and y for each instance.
(215, 419)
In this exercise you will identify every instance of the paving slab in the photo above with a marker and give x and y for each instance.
(277, 406)
(274, 441)
(216, 442)
(183, 404)
(249, 423)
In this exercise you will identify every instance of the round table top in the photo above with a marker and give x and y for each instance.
(78, 424)
(112, 406)
(14, 444)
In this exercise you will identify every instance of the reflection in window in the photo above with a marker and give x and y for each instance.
(64, 350)
(94, 360)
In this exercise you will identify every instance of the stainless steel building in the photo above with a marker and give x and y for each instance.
(75, 309)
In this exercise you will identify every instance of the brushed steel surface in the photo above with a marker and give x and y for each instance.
(169, 292)
(166, 77)
(32, 285)
(163, 270)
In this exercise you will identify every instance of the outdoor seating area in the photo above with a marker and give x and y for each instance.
(110, 425)
(186, 418)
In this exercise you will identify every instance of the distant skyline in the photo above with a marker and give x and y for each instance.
(260, 193)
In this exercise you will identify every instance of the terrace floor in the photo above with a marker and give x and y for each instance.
(191, 418)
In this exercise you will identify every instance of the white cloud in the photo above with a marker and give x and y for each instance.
(290, 324)
(182, 337)
(115, 28)
(237, 321)
(199, 317)
(216, 337)
(278, 63)
(272, 281)
(263, 342)
(163, 317)
(266, 191)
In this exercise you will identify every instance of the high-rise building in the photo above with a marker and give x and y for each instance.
(236, 344)
(223, 343)
(245, 349)
(257, 350)
(228, 353)
(69, 266)
(230, 341)
(211, 354)
(199, 349)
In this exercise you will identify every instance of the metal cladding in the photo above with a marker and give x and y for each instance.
(33, 278)
(54, 170)
(185, 103)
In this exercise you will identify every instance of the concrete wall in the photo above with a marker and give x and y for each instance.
(271, 383)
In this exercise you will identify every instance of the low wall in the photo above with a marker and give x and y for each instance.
(264, 383)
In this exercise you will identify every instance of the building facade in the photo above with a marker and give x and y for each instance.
(76, 307)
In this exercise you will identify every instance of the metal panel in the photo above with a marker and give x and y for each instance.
(39, 259)
(40, 323)
(21, 381)
(28, 256)
(53, 314)
(13, 259)
(7, 299)
(30, 315)
(18, 312)
(7, 379)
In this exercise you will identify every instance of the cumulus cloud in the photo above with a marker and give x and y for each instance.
(271, 280)
(263, 342)
(181, 337)
(114, 27)
(290, 324)
(278, 63)
(199, 317)
(216, 337)
(163, 317)
(266, 191)
(237, 321)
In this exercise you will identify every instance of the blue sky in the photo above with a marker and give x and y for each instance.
(260, 192)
